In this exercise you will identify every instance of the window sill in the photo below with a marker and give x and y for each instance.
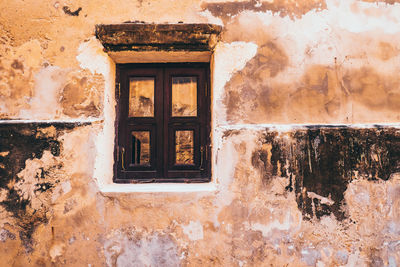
(158, 188)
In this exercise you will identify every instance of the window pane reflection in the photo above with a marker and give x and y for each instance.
(184, 147)
(141, 97)
(141, 148)
(184, 96)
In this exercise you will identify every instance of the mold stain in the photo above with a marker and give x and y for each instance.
(21, 145)
(320, 162)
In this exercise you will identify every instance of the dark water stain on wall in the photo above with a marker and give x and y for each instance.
(323, 160)
(243, 89)
(18, 143)
(322, 93)
(76, 97)
(373, 89)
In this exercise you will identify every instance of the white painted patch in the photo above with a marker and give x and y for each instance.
(323, 200)
(357, 16)
(125, 249)
(92, 57)
(362, 198)
(392, 261)
(81, 139)
(45, 102)
(265, 229)
(354, 260)
(330, 223)
(56, 251)
(342, 256)
(66, 187)
(3, 108)
(210, 18)
(194, 230)
(228, 59)
(26, 186)
(310, 256)
(103, 166)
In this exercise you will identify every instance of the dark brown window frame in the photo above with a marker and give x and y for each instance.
(163, 126)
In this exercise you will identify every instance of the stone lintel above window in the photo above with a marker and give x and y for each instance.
(158, 37)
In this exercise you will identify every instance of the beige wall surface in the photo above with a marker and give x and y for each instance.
(305, 138)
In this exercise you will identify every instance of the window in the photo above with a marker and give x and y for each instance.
(163, 110)
(163, 123)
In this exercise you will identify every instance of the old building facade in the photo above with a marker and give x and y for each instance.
(304, 136)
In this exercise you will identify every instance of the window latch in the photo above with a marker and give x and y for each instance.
(201, 158)
(122, 158)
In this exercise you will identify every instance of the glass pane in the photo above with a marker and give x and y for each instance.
(141, 148)
(141, 97)
(184, 147)
(184, 96)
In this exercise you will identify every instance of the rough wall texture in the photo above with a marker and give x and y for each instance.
(306, 140)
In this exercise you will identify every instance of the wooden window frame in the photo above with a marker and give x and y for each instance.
(162, 126)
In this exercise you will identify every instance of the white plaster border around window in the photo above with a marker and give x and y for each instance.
(226, 60)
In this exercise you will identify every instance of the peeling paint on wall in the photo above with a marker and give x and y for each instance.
(194, 230)
(304, 172)
(283, 8)
(126, 248)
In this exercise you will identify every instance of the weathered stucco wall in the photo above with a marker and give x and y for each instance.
(305, 130)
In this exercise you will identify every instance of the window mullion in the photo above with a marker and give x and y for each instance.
(166, 114)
